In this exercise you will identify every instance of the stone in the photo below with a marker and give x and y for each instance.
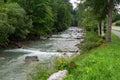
(2, 58)
(19, 45)
(30, 59)
(60, 75)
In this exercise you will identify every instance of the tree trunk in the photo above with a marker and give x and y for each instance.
(102, 28)
(5, 1)
(99, 30)
(110, 9)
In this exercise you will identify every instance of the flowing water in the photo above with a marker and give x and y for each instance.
(64, 44)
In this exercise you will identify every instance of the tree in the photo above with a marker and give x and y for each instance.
(63, 14)
(18, 19)
(110, 9)
(41, 15)
(5, 28)
(103, 8)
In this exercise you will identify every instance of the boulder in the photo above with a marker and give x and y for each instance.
(30, 59)
(2, 58)
(60, 75)
(18, 45)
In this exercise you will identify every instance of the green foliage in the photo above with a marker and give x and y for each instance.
(18, 19)
(42, 16)
(35, 17)
(116, 16)
(63, 14)
(65, 64)
(78, 14)
(92, 40)
(5, 28)
(101, 64)
(5, 31)
(48, 15)
(14, 24)
(117, 23)
(40, 73)
(89, 21)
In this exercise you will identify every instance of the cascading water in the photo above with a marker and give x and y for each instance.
(64, 44)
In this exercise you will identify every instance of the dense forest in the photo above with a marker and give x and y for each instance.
(28, 19)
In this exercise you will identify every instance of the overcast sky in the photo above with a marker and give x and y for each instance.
(74, 3)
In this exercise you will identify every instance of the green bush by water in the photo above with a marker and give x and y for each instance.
(92, 40)
(41, 72)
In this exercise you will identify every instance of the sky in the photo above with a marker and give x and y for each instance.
(74, 3)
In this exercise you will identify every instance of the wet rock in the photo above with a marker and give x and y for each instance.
(58, 75)
(2, 58)
(82, 40)
(42, 37)
(18, 45)
(77, 45)
(30, 59)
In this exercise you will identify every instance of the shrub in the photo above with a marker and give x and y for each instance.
(65, 64)
(92, 40)
(5, 31)
(40, 72)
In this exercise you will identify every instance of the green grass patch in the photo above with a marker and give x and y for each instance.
(102, 63)
(117, 23)
(41, 72)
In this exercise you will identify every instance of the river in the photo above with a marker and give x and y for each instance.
(65, 44)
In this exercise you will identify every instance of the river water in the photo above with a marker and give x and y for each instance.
(64, 44)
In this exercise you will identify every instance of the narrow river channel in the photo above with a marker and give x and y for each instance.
(64, 44)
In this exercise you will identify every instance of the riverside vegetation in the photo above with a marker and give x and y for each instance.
(99, 59)
(28, 19)
(101, 63)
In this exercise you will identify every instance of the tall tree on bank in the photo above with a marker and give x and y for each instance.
(103, 8)
(110, 9)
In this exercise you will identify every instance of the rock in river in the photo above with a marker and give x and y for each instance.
(30, 59)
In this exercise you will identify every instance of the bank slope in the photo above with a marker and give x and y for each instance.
(102, 63)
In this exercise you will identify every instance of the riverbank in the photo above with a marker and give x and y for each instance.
(16, 43)
(15, 63)
(101, 63)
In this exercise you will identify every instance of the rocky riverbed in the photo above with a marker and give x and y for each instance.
(14, 63)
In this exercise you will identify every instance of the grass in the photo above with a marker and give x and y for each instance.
(102, 63)
(117, 23)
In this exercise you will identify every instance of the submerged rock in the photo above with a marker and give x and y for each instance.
(30, 59)
(60, 75)
(2, 58)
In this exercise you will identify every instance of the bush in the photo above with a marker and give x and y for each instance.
(40, 72)
(89, 45)
(92, 40)
(5, 31)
